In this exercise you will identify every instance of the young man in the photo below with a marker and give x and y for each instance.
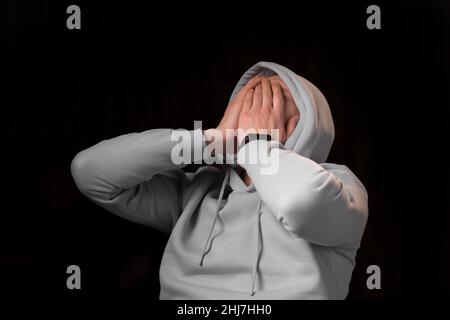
(235, 231)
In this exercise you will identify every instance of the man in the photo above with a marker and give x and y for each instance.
(236, 232)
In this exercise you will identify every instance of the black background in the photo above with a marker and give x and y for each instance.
(134, 66)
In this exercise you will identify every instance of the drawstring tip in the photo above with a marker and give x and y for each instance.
(252, 286)
(200, 263)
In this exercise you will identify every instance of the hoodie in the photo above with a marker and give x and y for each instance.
(289, 235)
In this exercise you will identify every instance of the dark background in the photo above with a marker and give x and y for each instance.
(134, 66)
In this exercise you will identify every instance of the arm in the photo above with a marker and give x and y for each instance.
(133, 176)
(324, 204)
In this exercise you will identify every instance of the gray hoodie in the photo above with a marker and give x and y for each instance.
(289, 235)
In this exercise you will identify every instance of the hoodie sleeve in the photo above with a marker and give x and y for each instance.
(134, 175)
(324, 204)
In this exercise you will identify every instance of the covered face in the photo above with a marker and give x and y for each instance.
(313, 134)
(291, 112)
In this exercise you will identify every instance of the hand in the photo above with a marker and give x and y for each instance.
(230, 118)
(263, 110)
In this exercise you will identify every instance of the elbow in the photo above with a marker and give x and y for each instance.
(308, 194)
(295, 208)
(82, 172)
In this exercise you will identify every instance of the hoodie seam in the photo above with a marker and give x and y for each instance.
(335, 276)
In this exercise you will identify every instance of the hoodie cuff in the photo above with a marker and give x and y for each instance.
(256, 152)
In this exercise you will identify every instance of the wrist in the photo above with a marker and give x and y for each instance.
(251, 136)
(211, 134)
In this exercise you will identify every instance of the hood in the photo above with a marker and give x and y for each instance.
(314, 133)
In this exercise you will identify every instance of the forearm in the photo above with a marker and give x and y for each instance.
(285, 180)
(307, 199)
(124, 161)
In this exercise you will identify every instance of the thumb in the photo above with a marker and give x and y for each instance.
(291, 124)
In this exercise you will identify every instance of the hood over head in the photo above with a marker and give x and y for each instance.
(312, 138)
(314, 133)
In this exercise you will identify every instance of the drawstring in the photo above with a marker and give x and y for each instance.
(259, 247)
(206, 248)
(224, 183)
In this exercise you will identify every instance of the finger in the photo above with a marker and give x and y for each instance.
(257, 98)
(254, 81)
(278, 99)
(251, 84)
(279, 81)
(235, 107)
(291, 124)
(267, 101)
(248, 99)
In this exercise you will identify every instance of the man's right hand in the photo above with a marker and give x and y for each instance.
(230, 118)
